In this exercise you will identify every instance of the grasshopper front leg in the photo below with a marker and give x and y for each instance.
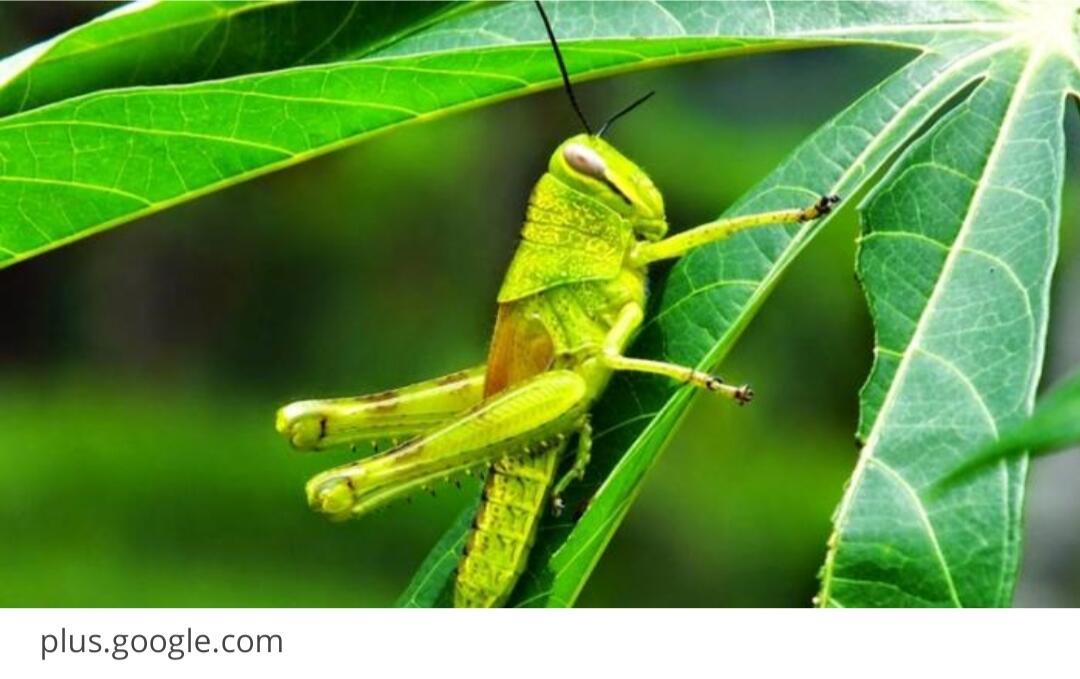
(527, 415)
(679, 244)
(398, 413)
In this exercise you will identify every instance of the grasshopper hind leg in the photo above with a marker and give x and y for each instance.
(397, 413)
(504, 426)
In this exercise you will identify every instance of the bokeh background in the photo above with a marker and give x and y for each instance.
(140, 369)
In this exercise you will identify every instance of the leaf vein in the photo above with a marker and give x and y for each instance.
(924, 519)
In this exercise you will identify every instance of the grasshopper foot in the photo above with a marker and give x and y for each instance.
(823, 207)
(744, 394)
(557, 505)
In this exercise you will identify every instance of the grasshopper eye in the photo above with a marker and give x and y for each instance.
(589, 163)
(585, 160)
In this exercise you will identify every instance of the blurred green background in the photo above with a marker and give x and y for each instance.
(140, 369)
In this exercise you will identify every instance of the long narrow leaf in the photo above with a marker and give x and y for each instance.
(169, 43)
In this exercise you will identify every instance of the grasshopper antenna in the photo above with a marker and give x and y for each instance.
(562, 69)
(620, 114)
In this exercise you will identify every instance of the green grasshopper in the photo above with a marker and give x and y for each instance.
(571, 302)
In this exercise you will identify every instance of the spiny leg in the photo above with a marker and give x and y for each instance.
(628, 320)
(532, 412)
(680, 244)
(577, 471)
(397, 413)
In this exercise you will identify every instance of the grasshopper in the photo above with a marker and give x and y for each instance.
(570, 304)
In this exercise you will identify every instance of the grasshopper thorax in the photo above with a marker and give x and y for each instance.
(594, 167)
(584, 217)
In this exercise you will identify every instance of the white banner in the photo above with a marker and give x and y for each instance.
(539, 643)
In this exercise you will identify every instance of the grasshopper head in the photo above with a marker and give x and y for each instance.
(593, 166)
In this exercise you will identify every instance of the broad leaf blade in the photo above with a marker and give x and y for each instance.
(956, 261)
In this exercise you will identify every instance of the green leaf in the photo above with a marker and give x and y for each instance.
(430, 587)
(1053, 426)
(956, 259)
(161, 43)
(84, 164)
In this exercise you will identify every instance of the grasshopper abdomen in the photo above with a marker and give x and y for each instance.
(515, 494)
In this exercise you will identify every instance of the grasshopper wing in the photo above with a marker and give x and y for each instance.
(520, 348)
